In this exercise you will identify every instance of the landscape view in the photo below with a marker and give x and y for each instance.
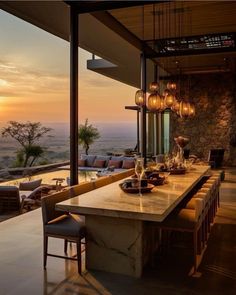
(113, 139)
(34, 87)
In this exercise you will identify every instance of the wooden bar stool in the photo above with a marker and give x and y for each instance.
(205, 202)
(186, 220)
(59, 224)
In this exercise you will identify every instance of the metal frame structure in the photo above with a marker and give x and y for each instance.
(193, 45)
(74, 76)
(150, 49)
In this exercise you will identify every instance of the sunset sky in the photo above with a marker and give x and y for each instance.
(34, 79)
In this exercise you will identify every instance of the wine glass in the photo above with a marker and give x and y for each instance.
(139, 171)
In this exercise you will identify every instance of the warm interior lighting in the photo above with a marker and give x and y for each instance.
(154, 86)
(171, 86)
(158, 103)
(169, 98)
(154, 103)
(192, 110)
(139, 98)
(184, 109)
(175, 107)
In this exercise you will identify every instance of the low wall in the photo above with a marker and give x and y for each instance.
(34, 169)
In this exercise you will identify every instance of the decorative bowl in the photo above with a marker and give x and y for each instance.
(177, 171)
(131, 186)
(156, 181)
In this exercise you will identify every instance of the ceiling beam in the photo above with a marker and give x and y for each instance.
(108, 20)
(93, 6)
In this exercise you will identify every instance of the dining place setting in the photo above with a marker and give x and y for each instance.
(157, 172)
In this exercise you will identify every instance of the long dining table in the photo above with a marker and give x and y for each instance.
(119, 238)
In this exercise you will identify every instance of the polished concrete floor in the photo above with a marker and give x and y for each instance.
(21, 269)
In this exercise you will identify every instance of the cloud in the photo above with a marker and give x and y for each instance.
(18, 80)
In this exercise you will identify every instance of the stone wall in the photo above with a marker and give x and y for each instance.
(214, 125)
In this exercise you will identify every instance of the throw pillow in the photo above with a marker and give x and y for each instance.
(30, 185)
(99, 163)
(116, 164)
(82, 163)
(128, 164)
(89, 159)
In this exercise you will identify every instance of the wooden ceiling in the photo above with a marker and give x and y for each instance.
(180, 19)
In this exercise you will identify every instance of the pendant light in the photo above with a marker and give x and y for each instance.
(170, 94)
(139, 98)
(192, 110)
(155, 102)
(175, 107)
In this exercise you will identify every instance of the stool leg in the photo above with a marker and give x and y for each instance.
(65, 245)
(199, 240)
(195, 250)
(78, 244)
(45, 250)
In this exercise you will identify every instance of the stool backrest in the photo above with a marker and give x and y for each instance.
(48, 205)
(199, 205)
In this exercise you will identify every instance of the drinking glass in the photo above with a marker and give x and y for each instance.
(166, 174)
(139, 171)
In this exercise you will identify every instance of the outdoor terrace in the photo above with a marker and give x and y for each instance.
(22, 270)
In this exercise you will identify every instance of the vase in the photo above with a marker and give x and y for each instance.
(179, 159)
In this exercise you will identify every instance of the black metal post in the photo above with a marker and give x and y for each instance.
(156, 140)
(138, 130)
(143, 110)
(74, 57)
(155, 73)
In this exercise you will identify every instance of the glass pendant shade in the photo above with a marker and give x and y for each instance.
(157, 103)
(192, 110)
(154, 86)
(139, 98)
(154, 102)
(169, 99)
(176, 106)
(163, 106)
(171, 86)
(184, 109)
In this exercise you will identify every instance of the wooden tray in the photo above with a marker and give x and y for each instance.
(135, 190)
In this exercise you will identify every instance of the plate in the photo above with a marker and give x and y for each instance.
(135, 190)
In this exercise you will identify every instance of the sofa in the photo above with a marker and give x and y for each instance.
(105, 163)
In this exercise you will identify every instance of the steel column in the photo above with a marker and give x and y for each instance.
(138, 132)
(156, 140)
(74, 57)
(143, 130)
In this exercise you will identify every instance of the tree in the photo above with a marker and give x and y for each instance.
(87, 135)
(35, 152)
(27, 134)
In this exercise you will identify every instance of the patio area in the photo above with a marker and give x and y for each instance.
(22, 271)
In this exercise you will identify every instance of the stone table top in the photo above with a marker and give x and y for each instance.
(111, 201)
